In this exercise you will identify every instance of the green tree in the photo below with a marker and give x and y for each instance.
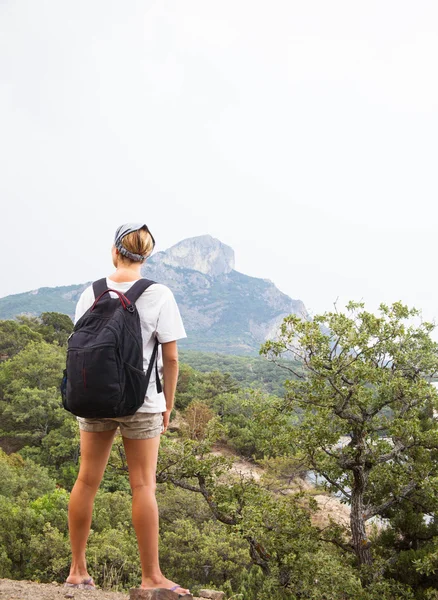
(30, 402)
(32, 418)
(19, 475)
(245, 434)
(276, 529)
(56, 327)
(52, 326)
(193, 385)
(367, 425)
(14, 337)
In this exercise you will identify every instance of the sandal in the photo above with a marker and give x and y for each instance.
(171, 589)
(86, 584)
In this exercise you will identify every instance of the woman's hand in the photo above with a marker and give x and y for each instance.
(166, 417)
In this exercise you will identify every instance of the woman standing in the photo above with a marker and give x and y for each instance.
(160, 319)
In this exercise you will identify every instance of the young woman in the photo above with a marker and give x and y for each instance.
(160, 318)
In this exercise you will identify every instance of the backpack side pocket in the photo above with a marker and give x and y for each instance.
(136, 385)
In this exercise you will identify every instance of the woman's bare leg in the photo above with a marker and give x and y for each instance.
(95, 451)
(142, 458)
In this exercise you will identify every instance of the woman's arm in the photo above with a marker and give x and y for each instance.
(170, 377)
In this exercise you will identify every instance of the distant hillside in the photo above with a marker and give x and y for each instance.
(61, 299)
(223, 310)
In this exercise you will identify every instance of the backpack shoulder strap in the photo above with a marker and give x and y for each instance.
(136, 290)
(133, 294)
(154, 363)
(99, 287)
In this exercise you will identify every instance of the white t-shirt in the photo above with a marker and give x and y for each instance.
(160, 316)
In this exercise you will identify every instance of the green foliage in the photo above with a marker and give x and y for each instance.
(113, 558)
(49, 553)
(110, 509)
(30, 404)
(247, 371)
(363, 377)
(249, 436)
(16, 523)
(368, 382)
(14, 337)
(31, 412)
(34, 538)
(235, 407)
(193, 385)
(318, 575)
(177, 503)
(212, 553)
(281, 539)
(52, 326)
(19, 476)
(57, 327)
(38, 366)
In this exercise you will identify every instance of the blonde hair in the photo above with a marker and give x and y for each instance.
(137, 242)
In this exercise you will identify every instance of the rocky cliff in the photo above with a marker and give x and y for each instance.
(223, 310)
(204, 253)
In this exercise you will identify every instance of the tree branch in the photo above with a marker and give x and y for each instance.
(212, 504)
(390, 455)
(372, 511)
(345, 547)
(258, 554)
(331, 481)
(286, 368)
(164, 478)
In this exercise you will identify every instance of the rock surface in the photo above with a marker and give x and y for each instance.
(204, 253)
(158, 594)
(163, 594)
(212, 594)
(28, 590)
(223, 310)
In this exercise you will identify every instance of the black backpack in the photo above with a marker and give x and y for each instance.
(104, 375)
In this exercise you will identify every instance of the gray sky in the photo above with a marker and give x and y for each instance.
(302, 134)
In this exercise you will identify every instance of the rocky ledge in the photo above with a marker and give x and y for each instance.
(163, 594)
(28, 590)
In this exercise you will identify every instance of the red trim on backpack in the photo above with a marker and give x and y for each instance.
(84, 377)
(123, 299)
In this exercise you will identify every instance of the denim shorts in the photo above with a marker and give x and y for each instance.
(139, 426)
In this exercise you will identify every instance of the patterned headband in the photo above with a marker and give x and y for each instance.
(125, 230)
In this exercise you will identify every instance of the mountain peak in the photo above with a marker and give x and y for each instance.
(222, 310)
(203, 253)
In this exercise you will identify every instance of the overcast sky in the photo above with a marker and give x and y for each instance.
(303, 134)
